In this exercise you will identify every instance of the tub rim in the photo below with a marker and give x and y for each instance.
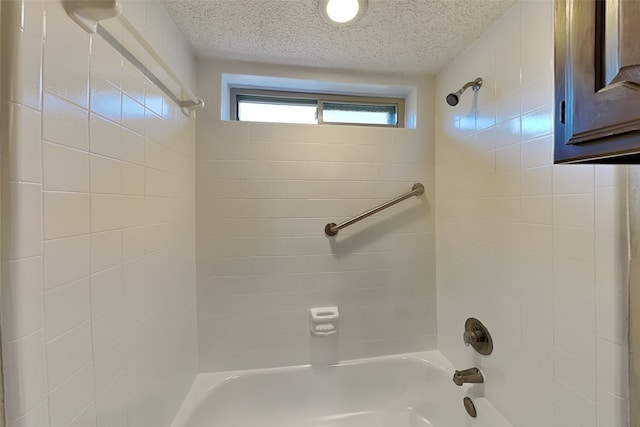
(206, 383)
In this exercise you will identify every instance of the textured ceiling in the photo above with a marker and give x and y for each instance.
(400, 36)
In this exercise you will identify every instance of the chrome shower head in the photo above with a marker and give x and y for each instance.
(454, 98)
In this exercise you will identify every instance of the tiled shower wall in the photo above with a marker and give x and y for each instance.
(264, 195)
(99, 257)
(536, 251)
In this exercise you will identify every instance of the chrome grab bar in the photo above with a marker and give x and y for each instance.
(332, 229)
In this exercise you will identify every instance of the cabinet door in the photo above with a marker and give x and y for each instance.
(597, 81)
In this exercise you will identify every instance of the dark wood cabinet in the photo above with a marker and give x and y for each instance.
(597, 81)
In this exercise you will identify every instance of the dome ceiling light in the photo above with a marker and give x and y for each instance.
(342, 12)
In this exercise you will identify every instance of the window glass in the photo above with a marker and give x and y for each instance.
(252, 111)
(359, 113)
(312, 108)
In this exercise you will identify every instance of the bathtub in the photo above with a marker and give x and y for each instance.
(408, 390)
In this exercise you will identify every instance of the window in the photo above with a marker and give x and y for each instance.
(312, 108)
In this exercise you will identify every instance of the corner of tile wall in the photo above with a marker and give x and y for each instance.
(532, 249)
(99, 291)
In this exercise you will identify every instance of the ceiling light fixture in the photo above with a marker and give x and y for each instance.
(342, 12)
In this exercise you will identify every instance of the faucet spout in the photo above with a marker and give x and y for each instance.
(471, 375)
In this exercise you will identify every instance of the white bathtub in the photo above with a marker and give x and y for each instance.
(395, 391)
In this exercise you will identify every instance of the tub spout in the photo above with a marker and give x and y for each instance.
(471, 375)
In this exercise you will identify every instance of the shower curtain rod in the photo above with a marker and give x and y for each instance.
(332, 229)
(89, 13)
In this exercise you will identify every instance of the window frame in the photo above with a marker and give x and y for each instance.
(320, 99)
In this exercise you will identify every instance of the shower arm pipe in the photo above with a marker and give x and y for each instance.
(88, 14)
(332, 229)
(468, 85)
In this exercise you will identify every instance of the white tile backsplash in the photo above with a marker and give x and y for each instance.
(80, 269)
(569, 267)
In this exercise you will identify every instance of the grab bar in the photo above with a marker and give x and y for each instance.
(332, 229)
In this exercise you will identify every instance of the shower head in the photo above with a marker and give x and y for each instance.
(454, 98)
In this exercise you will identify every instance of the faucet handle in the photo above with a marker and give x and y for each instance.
(475, 335)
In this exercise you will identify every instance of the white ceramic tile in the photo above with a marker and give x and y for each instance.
(153, 99)
(132, 147)
(25, 374)
(575, 341)
(574, 275)
(105, 137)
(508, 106)
(72, 39)
(106, 212)
(24, 71)
(574, 242)
(536, 40)
(25, 144)
(66, 76)
(65, 260)
(64, 123)
(132, 114)
(611, 259)
(71, 398)
(580, 375)
(562, 420)
(108, 327)
(133, 82)
(574, 210)
(23, 301)
(132, 179)
(133, 211)
(106, 62)
(50, 294)
(107, 289)
(132, 243)
(106, 100)
(612, 411)
(66, 307)
(87, 418)
(536, 181)
(65, 169)
(536, 94)
(38, 416)
(536, 209)
(68, 353)
(106, 250)
(573, 180)
(25, 235)
(612, 368)
(574, 406)
(612, 316)
(111, 364)
(563, 310)
(111, 404)
(65, 214)
(106, 175)
(25, 15)
(536, 123)
(575, 308)
(508, 159)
